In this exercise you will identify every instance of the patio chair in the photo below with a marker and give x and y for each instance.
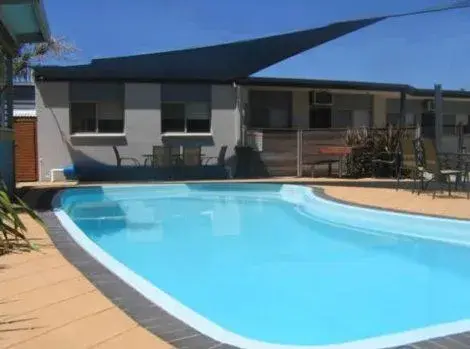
(408, 161)
(434, 170)
(391, 160)
(219, 160)
(192, 156)
(120, 159)
(163, 155)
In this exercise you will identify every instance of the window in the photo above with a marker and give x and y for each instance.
(321, 97)
(320, 117)
(106, 117)
(343, 119)
(394, 119)
(83, 117)
(466, 127)
(194, 117)
(449, 122)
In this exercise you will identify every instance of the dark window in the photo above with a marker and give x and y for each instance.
(110, 126)
(393, 119)
(343, 119)
(83, 117)
(186, 117)
(96, 117)
(466, 127)
(449, 123)
(173, 117)
(323, 97)
(428, 124)
(320, 117)
(259, 117)
(198, 117)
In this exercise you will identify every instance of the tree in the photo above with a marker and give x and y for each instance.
(56, 48)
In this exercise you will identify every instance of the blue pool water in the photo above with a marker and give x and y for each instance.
(280, 265)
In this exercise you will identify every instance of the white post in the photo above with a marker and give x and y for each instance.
(438, 116)
(299, 153)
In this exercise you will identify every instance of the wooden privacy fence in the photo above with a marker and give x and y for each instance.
(286, 152)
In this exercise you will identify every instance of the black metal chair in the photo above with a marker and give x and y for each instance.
(219, 160)
(436, 166)
(120, 159)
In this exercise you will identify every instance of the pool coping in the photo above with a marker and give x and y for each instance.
(166, 326)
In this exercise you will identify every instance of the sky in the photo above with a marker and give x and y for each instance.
(418, 50)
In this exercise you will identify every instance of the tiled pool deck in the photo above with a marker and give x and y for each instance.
(48, 301)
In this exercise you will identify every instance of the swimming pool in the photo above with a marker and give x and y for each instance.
(266, 265)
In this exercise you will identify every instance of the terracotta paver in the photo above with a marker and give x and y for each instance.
(45, 302)
(84, 332)
(38, 280)
(44, 297)
(128, 339)
(457, 206)
(47, 319)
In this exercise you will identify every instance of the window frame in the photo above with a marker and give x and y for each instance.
(185, 118)
(97, 118)
(333, 117)
(451, 127)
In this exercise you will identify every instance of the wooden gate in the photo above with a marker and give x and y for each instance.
(26, 154)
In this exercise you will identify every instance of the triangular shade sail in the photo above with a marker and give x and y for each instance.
(225, 62)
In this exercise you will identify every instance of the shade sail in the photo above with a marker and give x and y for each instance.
(225, 62)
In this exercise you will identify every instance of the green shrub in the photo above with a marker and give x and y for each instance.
(12, 227)
(373, 143)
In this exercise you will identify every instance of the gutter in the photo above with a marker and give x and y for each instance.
(40, 12)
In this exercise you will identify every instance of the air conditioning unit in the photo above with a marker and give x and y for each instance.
(429, 106)
(323, 98)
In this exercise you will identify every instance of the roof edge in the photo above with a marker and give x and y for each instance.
(278, 82)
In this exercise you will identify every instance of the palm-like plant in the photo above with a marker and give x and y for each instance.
(12, 227)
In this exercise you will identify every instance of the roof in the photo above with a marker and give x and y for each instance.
(22, 21)
(350, 85)
(219, 63)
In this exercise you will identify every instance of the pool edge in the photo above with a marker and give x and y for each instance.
(152, 317)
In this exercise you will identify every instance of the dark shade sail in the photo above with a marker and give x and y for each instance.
(225, 62)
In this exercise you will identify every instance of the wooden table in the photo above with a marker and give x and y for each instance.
(337, 152)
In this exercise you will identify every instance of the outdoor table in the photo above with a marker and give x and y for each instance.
(339, 151)
(336, 152)
(150, 157)
(176, 159)
(463, 162)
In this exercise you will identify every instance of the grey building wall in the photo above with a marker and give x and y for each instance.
(57, 148)
(415, 106)
(52, 108)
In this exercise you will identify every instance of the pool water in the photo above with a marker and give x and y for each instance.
(278, 264)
